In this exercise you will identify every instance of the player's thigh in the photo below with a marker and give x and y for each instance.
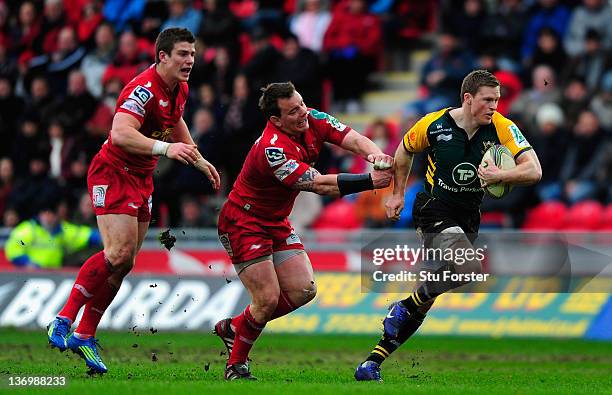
(294, 272)
(260, 280)
(119, 235)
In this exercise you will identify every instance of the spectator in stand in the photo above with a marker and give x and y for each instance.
(575, 100)
(578, 173)
(78, 106)
(592, 15)
(241, 127)
(509, 83)
(129, 60)
(301, 66)
(41, 104)
(58, 64)
(549, 52)
(99, 125)
(192, 215)
(219, 74)
(86, 17)
(602, 103)
(604, 172)
(310, 24)
(29, 143)
(207, 99)
(259, 70)
(5, 34)
(94, 64)
(182, 14)
(442, 74)
(465, 22)
(38, 188)
(11, 108)
(7, 180)
(591, 63)
(43, 241)
(123, 13)
(503, 29)
(84, 214)
(550, 139)
(8, 65)
(543, 90)
(26, 32)
(551, 13)
(353, 44)
(53, 22)
(220, 27)
(62, 148)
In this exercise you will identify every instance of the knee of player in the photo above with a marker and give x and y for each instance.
(121, 257)
(310, 291)
(267, 302)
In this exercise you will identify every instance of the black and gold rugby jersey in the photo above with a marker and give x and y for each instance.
(453, 159)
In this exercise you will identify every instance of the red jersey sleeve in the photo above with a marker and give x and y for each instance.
(328, 127)
(284, 164)
(135, 100)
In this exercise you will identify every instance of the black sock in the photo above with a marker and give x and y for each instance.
(386, 346)
(430, 290)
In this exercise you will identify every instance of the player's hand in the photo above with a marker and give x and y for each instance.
(382, 178)
(489, 174)
(209, 170)
(381, 161)
(394, 207)
(185, 153)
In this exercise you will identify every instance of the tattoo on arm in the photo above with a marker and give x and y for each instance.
(306, 181)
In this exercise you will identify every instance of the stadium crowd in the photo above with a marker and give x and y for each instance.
(64, 62)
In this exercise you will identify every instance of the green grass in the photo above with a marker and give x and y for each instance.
(315, 365)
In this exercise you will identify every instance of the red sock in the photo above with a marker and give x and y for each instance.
(247, 331)
(283, 307)
(94, 272)
(94, 310)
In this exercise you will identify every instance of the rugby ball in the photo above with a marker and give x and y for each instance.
(502, 157)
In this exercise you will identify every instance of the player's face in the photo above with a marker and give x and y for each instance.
(181, 59)
(293, 115)
(484, 104)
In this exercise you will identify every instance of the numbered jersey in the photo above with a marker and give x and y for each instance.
(276, 161)
(148, 99)
(453, 159)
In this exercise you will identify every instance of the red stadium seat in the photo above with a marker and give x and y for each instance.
(546, 216)
(584, 216)
(338, 215)
(606, 218)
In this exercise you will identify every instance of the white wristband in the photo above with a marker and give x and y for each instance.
(160, 148)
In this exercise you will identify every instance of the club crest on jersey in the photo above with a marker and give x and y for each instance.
(275, 156)
(98, 195)
(486, 145)
(141, 95)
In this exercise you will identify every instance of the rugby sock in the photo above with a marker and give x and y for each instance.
(94, 310)
(94, 272)
(247, 331)
(430, 290)
(283, 307)
(386, 346)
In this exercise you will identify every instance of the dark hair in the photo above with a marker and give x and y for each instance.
(477, 78)
(268, 102)
(166, 40)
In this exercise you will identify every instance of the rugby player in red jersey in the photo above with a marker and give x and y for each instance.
(147, 124)
(253, 226)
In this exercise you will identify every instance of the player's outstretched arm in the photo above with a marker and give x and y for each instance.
(126, 136)
(528, 171)
(364, 147)
(342, 184)
(403, 163)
